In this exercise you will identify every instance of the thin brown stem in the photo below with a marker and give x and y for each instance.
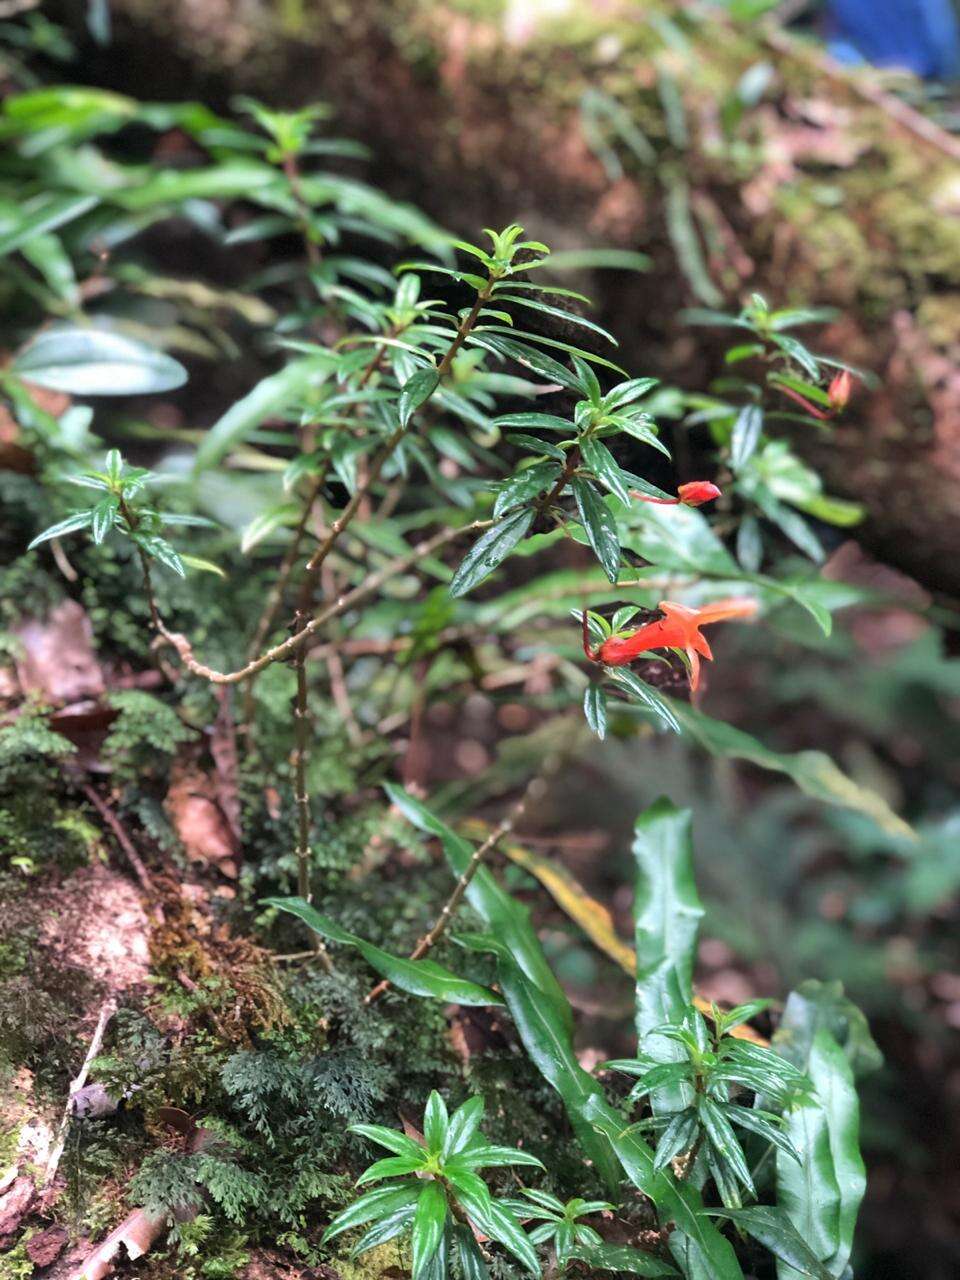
(301, 749)
(281, 652)
(292, 170)
(431, 938)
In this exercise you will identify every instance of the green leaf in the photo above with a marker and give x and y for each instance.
(391, 1167)
(679, 1136)
(809, 1192)
(776, 1232)
(823, 1197)
(604, 466)
(667, 915)
(487, 1155)
(392, 1139)
(472, 1265)
(97, 362)
(569, 317)
(42, 214)
(500, 1225)
(815, 1005)
(80, 520)
(543, 365)
(267, 522)
(104, 517)
(428, 1224)
(747, 430)
(419, 977)
(677, 1202)
(595, 709)
(536, 1000)
(593, 259)
(599, 526)
(463, 1126)
(648, 697)
(812, 771)
(536, 421)
(384, 1230)
(161, 551)
(723, 1140)
(489, 551)
(525, 485)
(621, 1257)
(537, 446)
(415, 392)
(435, 1122)
(272, 395)
(380, 1203)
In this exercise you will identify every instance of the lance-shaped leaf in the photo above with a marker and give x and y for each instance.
(667, 914)
(97, 362)
(489, 550)
(419, 977)
(812, 771)
(696, 1241)
(776, 1232)
(415, 392)
(822, 1194)
(620, 1257)
(599, 526)
(536, 1000)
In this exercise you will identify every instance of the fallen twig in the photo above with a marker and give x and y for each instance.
(126, 844)
(106, 1013)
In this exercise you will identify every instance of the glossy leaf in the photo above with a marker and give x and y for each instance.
(429, 1220)
(490, 550)
(667, 915)
(747, 430)
(677, 1202)
(419, 977)
(415, 392)
(599, 526)
(375, 1204)
(812, 771)
(603, 465)
(621, 1257)
(823, 1195)
(79, 520)
(595, 709)
(776, 1232)
(97, 362)
(525, 485)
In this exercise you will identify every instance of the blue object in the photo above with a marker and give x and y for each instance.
(922, 36)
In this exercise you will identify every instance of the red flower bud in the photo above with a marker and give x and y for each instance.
(839, 390)
(697, 492)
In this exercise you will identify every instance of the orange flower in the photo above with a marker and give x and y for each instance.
(679, 628)
(693, 494)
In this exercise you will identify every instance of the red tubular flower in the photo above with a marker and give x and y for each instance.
(693, 494)
(697, 492)
(839, 390)
(679, 628)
